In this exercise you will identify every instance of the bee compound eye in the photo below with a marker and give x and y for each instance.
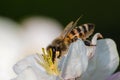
(53, 49)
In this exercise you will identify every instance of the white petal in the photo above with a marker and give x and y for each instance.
(29, 67)
(104, 62)
(27, 74)
(76, 61)
(9, 47)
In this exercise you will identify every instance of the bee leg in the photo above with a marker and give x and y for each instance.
(88, 43)
(74, 39)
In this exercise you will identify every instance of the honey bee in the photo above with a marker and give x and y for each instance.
(69, 35)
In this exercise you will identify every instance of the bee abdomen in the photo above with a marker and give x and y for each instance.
(83, 32)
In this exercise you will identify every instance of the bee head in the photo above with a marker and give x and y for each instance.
(56, 52)
(57, 47)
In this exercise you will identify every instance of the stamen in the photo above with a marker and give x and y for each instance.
(47, 63)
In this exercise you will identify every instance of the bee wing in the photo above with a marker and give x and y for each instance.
(69, 27)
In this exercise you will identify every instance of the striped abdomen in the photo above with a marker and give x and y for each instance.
(82, 31)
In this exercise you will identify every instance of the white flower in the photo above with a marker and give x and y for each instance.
(77, 64)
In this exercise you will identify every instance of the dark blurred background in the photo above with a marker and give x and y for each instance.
(105, 14)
